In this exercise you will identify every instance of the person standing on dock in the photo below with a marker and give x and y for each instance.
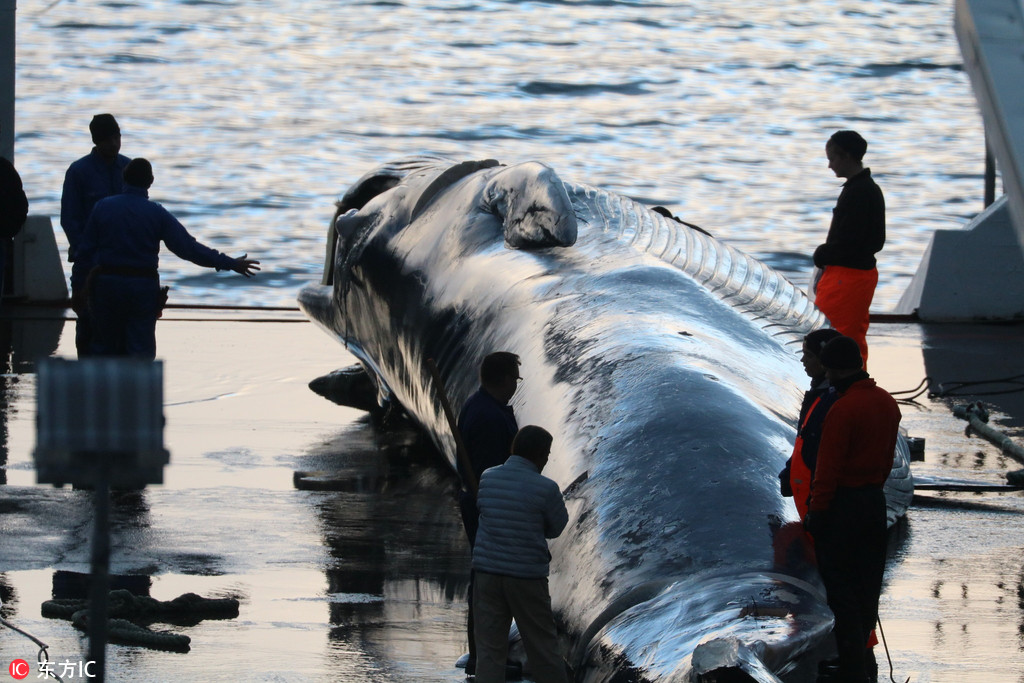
(857, 232)
(487, 425)
(97, 175)
(795, 478)
(847, 516)
(13, 212)
(116, 265)
(519, 510)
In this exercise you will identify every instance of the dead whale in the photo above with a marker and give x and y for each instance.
(665, 364)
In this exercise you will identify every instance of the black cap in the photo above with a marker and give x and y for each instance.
(139, 172)
(842, 353)
(103, 126)
(816, 340)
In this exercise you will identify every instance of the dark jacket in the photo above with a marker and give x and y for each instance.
(125, 231)
(857, 231)
(821, 398)
(87, 181)
(13, 202)
(487, 429)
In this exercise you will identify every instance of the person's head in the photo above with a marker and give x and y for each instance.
(534, 444)
(811, 356)
(139, 173)
(845, 151)
(106, 135)
(841, 358)
(499, 375)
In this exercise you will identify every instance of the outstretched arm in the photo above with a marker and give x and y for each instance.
(246, 266)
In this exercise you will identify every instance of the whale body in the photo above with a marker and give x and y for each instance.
(663, 362)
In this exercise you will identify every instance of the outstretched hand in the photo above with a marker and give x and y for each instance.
(246, 266)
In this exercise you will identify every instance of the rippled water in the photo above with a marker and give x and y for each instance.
(257, 114)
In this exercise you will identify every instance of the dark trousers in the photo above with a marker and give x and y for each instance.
(124, 311)
(850, 544)
(470, 521)
(499, 600)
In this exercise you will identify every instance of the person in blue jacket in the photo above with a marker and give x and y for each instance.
(519, 510)
(116, 265)
(97, 175)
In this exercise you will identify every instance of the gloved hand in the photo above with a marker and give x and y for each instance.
(784, 486)
(815, 522)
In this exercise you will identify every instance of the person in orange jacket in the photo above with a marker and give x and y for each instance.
(847, 510)
(795, 478)
(857, 232)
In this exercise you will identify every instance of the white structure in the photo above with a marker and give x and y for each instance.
(991, 37)
(38, 272)
(976, 273)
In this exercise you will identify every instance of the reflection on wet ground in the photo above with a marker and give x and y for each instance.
(343, 544)
(361, 576)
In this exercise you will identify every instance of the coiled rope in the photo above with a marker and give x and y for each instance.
(126, 609)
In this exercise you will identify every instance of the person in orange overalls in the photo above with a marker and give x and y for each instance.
(857, 232)
(795, 478)
(847, 515)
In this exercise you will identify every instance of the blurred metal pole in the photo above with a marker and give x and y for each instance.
(990, 175)
(100, 585)
(7, 22)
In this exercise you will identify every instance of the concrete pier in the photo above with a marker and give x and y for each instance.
(364, 578)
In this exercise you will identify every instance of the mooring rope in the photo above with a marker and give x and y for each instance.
(125, 608)
(42, 657)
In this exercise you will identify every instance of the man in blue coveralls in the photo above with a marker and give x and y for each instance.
(97, 175)
(116, 265)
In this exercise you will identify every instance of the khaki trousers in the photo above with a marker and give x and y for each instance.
(497, 600)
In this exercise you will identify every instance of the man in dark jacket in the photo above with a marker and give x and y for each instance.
(847, 515)
(97, 175)
(117, 260)
(519, 510)
(856, 234)
(13, 212)
(487, 425)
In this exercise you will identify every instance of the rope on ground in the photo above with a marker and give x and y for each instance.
(956, 388)
(126, 609)
(892, 671)
(921, 388)
(124, 632)
(42, 657)
(961, 388)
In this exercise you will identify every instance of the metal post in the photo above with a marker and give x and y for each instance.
(100, 586)
(91, 414)
(990, 175)
(7, 22)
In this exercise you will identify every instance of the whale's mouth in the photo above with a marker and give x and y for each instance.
(726, 675)
(741, 628)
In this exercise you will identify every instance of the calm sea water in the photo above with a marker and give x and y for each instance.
(258, 114)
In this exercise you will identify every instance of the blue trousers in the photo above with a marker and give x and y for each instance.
(124, 311)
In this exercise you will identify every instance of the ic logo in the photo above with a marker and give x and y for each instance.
(19, 669)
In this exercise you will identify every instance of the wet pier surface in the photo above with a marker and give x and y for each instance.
(343, 543)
